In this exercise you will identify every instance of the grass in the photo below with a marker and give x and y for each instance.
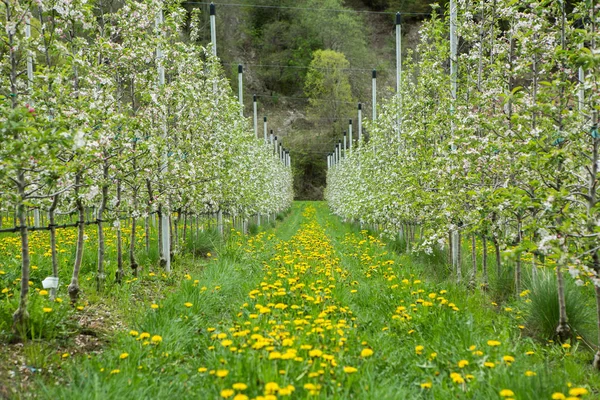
(327, 285)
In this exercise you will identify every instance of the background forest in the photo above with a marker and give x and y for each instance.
(308, 95)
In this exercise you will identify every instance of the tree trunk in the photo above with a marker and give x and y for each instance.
(163, 261)
(563, 331)
(518, 266)
(596, 362)
(458, 245)
(175, 232)
(498, 258)
(185, 223)
(474, 259)
(101, 277)
(450, 248)
(484, 262)
(148, 211)
(52, 226)
(120, 273)
(132, 262)
(73, 288)
(21, 316)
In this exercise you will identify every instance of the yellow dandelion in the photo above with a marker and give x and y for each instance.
(578, 392)
(188, 304)
(226, 393)
(507, 393)
(47, 309)
(156, 339)
(239, 386)
(222, 373)
(350, 370)
(366, 353)
(124, 356)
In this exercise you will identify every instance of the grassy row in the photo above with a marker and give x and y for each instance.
(477, 350)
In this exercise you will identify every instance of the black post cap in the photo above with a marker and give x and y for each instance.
(212, 9)
(398, 18)
(240, 68)
(254, 98)
(275, 137)
(360, 106)
(265, 119)
(374, 74)
(340, 141)
(271, 129)
(344, 133)
(349, 122)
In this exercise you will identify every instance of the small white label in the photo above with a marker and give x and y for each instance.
(50, 283)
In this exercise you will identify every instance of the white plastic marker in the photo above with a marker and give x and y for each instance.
(50, 282)
(265, 129)
(255, 116)
(241, 88)
(165, 217)
(350, 134)
(359, 121)
(374, 95)
(213, 29)
(399, 68)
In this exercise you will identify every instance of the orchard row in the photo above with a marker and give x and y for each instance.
(121, 112)
(501, 148)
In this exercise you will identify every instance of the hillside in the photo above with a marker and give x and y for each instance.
(276, 43)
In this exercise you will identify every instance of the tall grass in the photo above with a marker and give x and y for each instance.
(543, 311)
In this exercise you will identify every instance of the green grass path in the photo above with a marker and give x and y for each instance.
(318, 309)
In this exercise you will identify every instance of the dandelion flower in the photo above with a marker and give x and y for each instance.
(457, 378)
(202, 369)
(493, 343)
(366, 353)
(154, 306)
(419, 349)
(222, 373)
(47, 309)
(462, 363)
(350, 370)
(578, 392)
(507, 393)
(156, 339)
(558, 396)
(124, 356)
(239, 386)
(226, 393)
(188, 304)
(426, 385)
(115, 371)
(133, 333)
(43, 293)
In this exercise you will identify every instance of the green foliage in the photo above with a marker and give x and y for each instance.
(328, 88)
